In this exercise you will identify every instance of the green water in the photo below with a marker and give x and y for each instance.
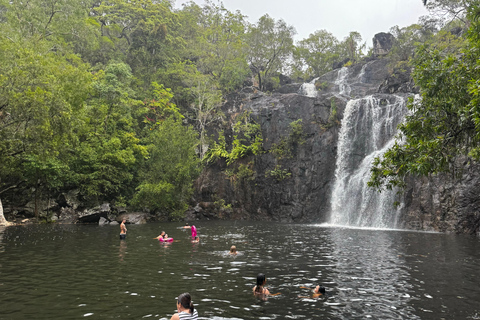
(85, 271)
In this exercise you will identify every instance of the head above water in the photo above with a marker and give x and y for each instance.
(261, 279)
(320, 289)
(185, 300)
(233, 249)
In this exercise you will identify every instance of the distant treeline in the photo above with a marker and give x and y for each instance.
(114, 98)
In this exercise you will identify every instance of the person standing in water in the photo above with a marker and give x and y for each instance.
(259, 289)
(185, 308)
(123, 230)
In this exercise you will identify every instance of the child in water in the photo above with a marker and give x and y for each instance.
(317, 292)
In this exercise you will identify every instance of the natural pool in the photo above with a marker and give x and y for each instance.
(85, 271)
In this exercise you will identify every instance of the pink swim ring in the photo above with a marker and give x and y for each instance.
(166, 240)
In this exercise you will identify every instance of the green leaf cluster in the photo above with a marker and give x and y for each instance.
(444, 122)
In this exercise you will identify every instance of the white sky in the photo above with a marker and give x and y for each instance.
(339, 17)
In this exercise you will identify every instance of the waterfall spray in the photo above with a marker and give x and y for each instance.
(368, 130)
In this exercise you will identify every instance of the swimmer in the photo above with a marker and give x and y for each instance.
(233, 250)
(186, 226)
(162, 236)
(317, 292)
(185, 308)
(196, 240)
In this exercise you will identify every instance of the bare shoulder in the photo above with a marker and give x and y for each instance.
(175, 317)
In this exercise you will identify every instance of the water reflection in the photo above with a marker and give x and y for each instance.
(62, 272)
(368, 274)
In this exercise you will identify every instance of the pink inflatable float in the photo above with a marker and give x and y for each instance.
(166, 240)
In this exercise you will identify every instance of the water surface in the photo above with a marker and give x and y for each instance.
(85, 271)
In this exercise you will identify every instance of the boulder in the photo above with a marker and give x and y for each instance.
(382, 43)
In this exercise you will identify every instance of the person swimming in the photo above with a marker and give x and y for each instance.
(233, 250)
(259, 289)
(185, 308)
(317, 292)
(161, 236)
(197, 239)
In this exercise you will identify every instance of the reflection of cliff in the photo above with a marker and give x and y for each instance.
(369, 277)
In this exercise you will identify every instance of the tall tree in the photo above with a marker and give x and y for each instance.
(42, 93)
(316, 54)
(445, 122)
(270, 43)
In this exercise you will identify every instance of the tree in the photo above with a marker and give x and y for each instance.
(107, 148)
(445, 122)
(167, 175)
(206, 108)
(42, 93)
(315, 55)
(218, 43)
(270, 43)
(352, 46)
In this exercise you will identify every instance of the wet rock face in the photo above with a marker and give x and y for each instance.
(442, 203)
(445, 203)
(303, 193)
(382, 43)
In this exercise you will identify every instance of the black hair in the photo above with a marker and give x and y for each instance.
(186, 223)
(185, 301)
(321, 289)
(260, 282)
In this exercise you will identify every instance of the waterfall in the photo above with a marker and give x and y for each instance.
(367, 131)
(308, 89)
(343, 87)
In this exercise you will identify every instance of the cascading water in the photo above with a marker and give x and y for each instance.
(367, 131)
(343, 86)
(308, 89)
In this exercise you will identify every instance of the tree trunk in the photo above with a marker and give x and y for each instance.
(3, 221)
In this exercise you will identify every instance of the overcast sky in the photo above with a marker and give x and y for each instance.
(336, 16)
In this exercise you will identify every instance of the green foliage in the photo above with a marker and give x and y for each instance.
(445, 122)
(247, 142)
(278, 173)
(286, 147)
(333, 117)
(220, 204)
(270, 43)
(166, 176)
(241, 174)
(315, 55)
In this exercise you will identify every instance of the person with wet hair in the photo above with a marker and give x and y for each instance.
(162, 235)
(319, 291)
(233, 250)
(259, 289)
(185, 308)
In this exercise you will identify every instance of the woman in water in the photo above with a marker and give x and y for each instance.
(259, 289)
(162, 235)
(318, 292)
(185, 309)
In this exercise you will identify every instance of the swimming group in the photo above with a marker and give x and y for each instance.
(163, 237)
(185, 307)
(187, 311)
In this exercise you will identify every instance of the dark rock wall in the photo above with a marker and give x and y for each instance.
(443, 203)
